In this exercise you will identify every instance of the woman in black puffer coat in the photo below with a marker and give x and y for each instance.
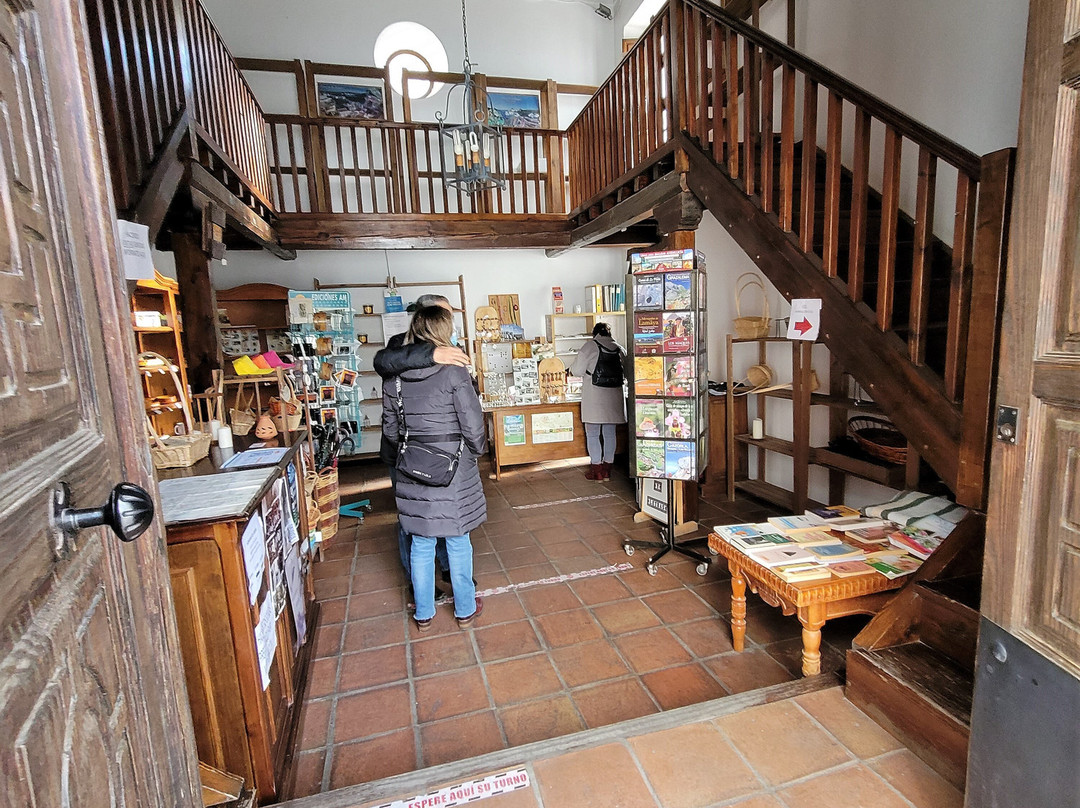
(439, 400)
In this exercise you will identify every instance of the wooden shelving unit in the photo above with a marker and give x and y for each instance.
(591, 318)
(160, 295)
(839, 458)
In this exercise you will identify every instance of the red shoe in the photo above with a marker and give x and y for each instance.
(465, 622)
(605, 472)
(595, 472)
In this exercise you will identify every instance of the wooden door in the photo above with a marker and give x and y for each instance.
(92, 703)
(1028, 675)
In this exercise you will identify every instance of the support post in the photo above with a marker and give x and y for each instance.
(198, 309)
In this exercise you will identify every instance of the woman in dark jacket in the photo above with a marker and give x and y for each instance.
(439, 400)
(601, 407)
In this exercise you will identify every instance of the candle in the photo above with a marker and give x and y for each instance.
(758, 429)
(224, 437)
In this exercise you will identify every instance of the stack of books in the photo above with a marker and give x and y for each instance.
(920, 543)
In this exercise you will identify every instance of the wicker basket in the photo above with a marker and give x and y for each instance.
(879, 438)
(179, 451)
(329, 501)
(751, 326)
(242, 416)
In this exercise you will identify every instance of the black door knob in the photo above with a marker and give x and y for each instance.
(128, 511)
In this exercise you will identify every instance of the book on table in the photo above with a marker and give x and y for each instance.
(831, 513)
(793, 522)
(893, 564)
(812, 536)
(796, 573)
(831, 553)
(857, 523)
(786, 554)
(920, 543)
(753, 544)
(849, 569)
(736, 531)
(865, 546)
(880, 533)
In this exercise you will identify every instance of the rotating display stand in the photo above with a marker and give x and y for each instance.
(666, 329)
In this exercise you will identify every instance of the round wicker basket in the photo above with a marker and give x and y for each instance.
(879, 438)
(751, 326)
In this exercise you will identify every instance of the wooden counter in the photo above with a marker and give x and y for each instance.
(241, 725)
(533, 433)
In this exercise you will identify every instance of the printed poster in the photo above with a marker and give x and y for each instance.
(677, 290)
(649, 292)
(648, 333)
(679, 376)
(678, 332)
(253, 545)
(514, 430)
(275, 541)
(648, 376)
(649, 417)
(552, 427)
(650, 458)
(266, 639)
(295, 579)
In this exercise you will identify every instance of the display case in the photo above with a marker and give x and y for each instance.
(666, 330)
(566, 344)
(158, 329)
(324, 335)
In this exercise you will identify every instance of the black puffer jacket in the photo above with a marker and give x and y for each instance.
(439, 400)
(393, 360)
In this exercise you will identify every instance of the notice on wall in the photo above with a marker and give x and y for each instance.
(513, 430)
(266, 639)
(295, 579)
(253, 545)
(552, 427)
(395, 323)
(135, 250)
(805, 320)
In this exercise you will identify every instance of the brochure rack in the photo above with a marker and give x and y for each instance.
(666, 330)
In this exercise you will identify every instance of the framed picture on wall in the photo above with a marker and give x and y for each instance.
(520, 110)
(350, 101)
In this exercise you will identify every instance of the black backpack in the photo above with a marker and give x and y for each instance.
(608, 371)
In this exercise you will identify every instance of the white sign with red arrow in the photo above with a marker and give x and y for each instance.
(805, 320)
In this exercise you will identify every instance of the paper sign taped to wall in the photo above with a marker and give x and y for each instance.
(805, 321)
(135, 250)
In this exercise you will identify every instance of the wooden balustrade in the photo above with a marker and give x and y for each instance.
(164, 73)
(225, 108)
(628, 119)
(339, 165)
(142, 77)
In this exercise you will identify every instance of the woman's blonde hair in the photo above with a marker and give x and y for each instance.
(432, 324)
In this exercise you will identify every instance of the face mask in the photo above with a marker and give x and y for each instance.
(454, 338)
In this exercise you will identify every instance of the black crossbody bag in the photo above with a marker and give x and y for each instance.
(420, 461)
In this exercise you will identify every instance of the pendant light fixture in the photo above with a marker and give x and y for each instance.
(476, 146)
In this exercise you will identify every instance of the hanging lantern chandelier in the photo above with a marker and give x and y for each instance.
(476, 145)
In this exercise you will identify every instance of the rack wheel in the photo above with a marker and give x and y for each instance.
(628, 549)
(702, 568)
(713, 552)
(651, 569)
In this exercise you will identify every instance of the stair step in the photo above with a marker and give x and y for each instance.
(921, 696)
(948, 626)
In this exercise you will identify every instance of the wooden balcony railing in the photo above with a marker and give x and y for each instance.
(225, 107)
(338, 165)
(163, 73)
(627, 121)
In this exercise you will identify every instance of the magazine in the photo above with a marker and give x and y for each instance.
(650, 458)
(678, 332)
(649, 417)
(677, 290)
(679, 376)
(649, 292)
(648, 376)
(648, 333)
(679, 420)
(680, 461)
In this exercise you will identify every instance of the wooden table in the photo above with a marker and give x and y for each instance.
(813, 602)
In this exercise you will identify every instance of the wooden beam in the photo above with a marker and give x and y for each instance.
(352, 231)
(681, 212)
(166, 173)
(205, 189)
(909, 395)
(630, 211)
(198, 309)
(642, 234)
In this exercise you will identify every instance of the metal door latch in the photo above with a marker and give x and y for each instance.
(1005, 429)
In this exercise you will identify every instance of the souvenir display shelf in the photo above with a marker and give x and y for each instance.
(666, 330)
(162, 334)
(332, 318)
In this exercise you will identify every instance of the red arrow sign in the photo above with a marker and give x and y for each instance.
(803, 326)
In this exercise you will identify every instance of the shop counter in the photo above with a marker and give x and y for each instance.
(533, 433)
(244, 605)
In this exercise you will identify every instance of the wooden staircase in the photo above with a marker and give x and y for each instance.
(913, 667)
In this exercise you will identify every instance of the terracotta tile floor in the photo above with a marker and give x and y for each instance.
(542, 661)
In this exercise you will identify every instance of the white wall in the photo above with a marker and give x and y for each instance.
(536, 39)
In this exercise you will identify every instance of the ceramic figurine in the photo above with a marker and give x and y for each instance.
(265, 429)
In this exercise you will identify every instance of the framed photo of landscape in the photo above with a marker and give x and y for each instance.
(520, 110)
(362, 101)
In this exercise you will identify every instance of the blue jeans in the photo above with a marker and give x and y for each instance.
(459, 549)
(404, 542)
(598, 454)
